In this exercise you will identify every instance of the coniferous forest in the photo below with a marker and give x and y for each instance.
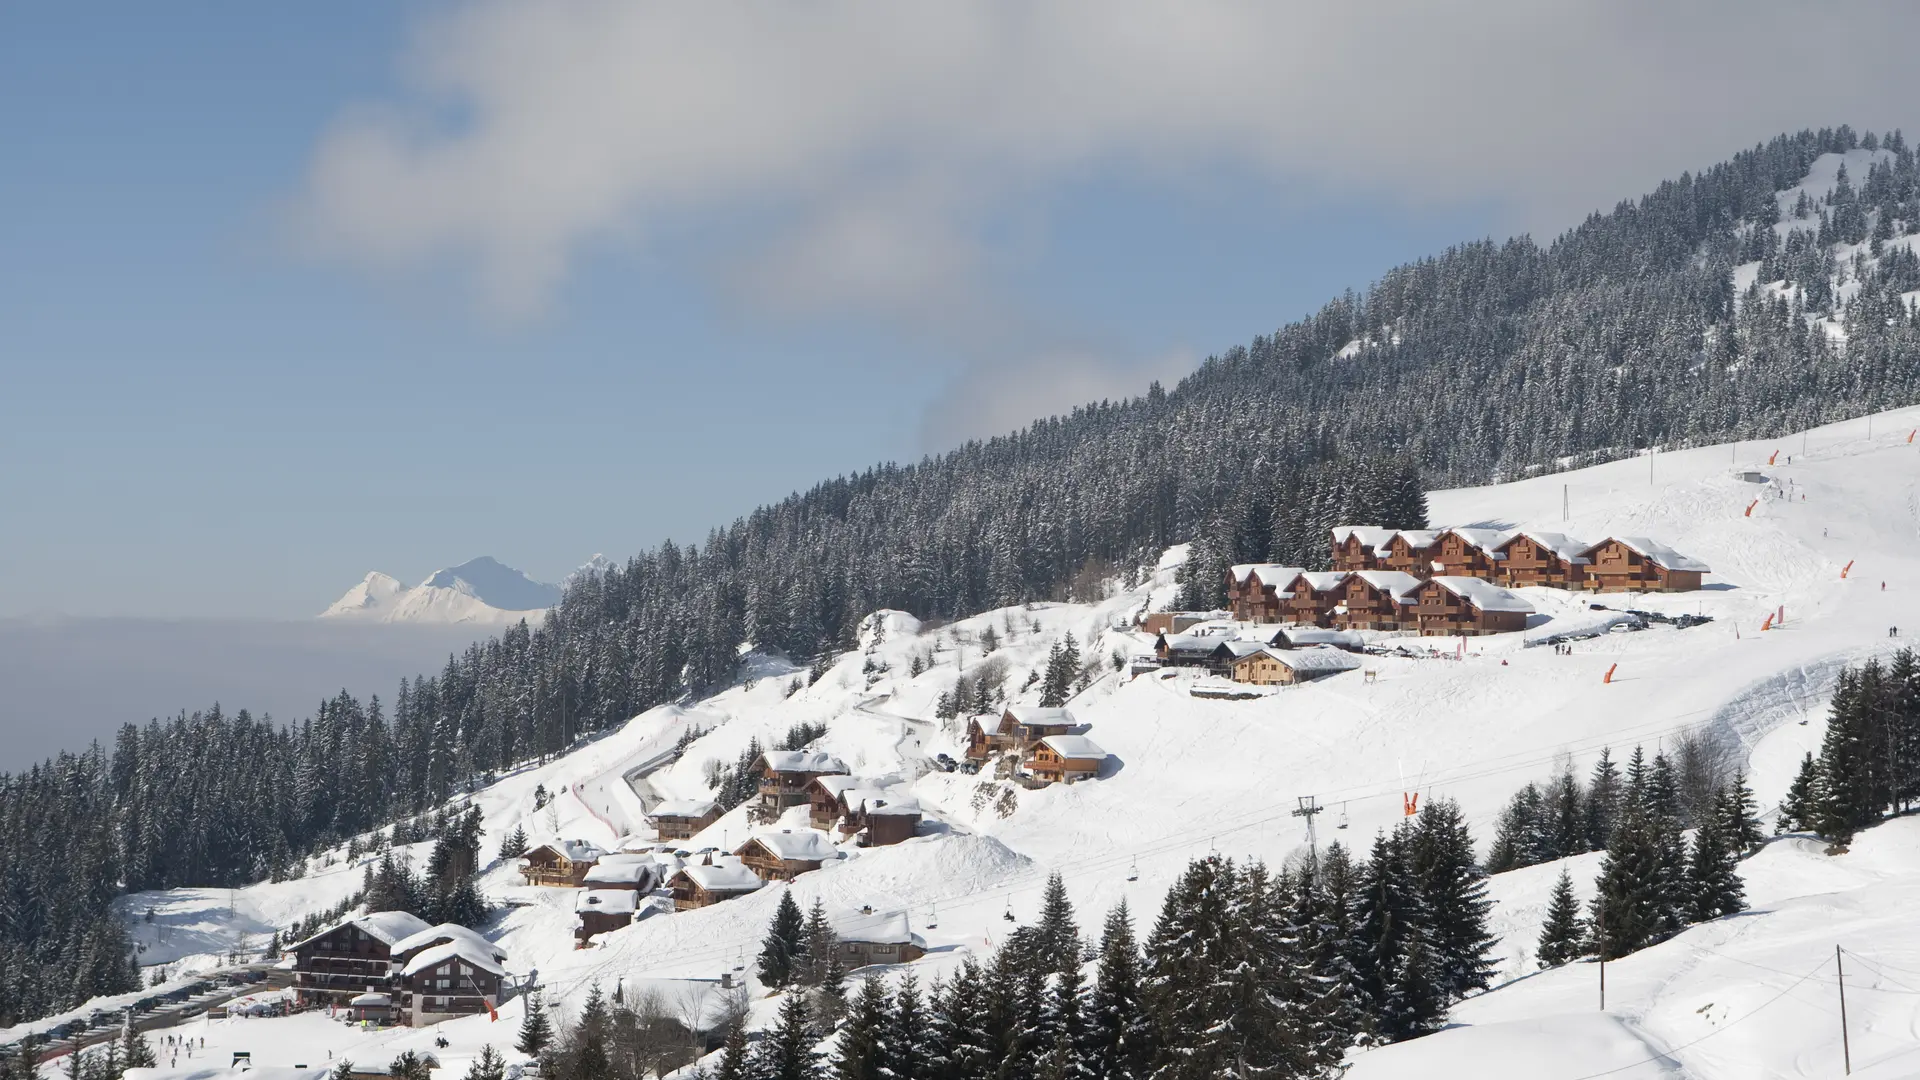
(1492, 360)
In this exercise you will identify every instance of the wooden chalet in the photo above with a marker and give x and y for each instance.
(785, 774)
(786, 854)
(596, 911)
(1175, 622)
(1185, 650)
(562, 864)
(983, 737)
(1469, 553)
(876, 818)
(883, 939)
(1552, 559)
(823, 798)
(413, 945)
(353, 958)
(1253, 591)
(1066, 759)
(1450, 606)
(1268, 666)
(1311, 596)
(1411, 551)
(680, 819)
(711, 881)
(1360, 547)
(1306, 637)
(1638, 564)
(631, 873)
(1377, 600)
(450, 980)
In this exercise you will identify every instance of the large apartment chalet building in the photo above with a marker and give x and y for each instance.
(391, 967)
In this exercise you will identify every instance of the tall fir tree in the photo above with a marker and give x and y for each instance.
(1119, 1037)
(781, 949)
(1563, 934)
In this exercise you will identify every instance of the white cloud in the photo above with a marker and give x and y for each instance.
(869, 146)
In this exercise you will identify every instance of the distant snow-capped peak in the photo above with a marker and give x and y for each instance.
(482, 590)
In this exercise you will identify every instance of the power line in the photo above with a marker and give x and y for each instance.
(1670, 1051)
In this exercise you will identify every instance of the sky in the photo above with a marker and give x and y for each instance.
(291, 294)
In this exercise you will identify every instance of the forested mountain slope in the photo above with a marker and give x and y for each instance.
(1750, 298)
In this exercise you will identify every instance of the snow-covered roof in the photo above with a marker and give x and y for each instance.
(1484, 595)
(790, 845)
(802, 761)
(1487, 540)
(1371, 536)
(1573, 551)
(686, 808)
(1419, 538)
(837, 783)
(439, 954)
(876, 801)
(1323, 580)
(434, 935)
(1300, 636)
(881, 928)
(1395, 583)
(1659, 552)
(573, 850)
(390, 927)
(625, 858)
(1034, 715)
(1270, 573)
(370, 1000)
(1238, 649)
(1074, 746)
(607, 901)
(730, 876)
(1319, 659)
(635, 873)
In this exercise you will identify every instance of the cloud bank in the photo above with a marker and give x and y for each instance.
(868, 147)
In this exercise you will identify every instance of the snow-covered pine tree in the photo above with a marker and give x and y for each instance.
(536, 1031)
(736, 1062)
(1059, 935)
(1564, 933)
(1603, 800)
(962, 1044)
(860, 1053)
(787, 1052)
(1713, 875)
(1800, 809)
(1453, 891)
(906, 1045)
(488, 1066)
(781, 949)
(1118, 1033)
(1064, 1039)
(1737, 813)
(1186, 956)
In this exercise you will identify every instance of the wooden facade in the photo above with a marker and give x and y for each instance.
(1549, 559)
(876, 819)
(447, 982)
(1469, 553)
(1311, 597)
(598, 911)
(1272, 667)
(785, 774)
(340, 964)
(1254, 591)
(1447, 607)
(1065, 759)
(1635, 564)
(785, 855)
(562, 865)
(823, 799)
(1360, 547)
(1411, 552)
(708, 883)
(681, 819)
(1377, 600)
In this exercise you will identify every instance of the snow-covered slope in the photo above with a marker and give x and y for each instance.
(1188, 776)
(480, 590)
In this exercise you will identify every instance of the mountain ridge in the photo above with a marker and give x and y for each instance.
(481, 590)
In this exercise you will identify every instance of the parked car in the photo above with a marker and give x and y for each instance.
(947, 764)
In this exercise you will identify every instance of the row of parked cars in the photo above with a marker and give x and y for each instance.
(106, 1020)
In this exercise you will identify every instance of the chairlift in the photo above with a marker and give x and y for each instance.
(1133, 870)
(1009, 915)
(933, 917)
(1343, 817)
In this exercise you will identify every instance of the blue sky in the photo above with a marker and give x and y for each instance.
(290, 294)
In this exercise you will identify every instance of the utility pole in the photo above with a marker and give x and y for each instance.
(1307, 809)
(1600, 918)
(1846, 1051)
(1563, 502)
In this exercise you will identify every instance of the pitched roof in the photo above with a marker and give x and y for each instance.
(1302, 636)
(686, 808)
(388, 927)
(1322, 580)
(1238, 649)
(1034, 715)
(872, 801)
(803, 761)
(1419, 538)
(636, 873)
(837, 783)
(1487, 540)
(1658, 552)
(573, 850)
(608, 901)
(729, 876)
(791, 845)
(1319, 660)
(1484, 595)
(446, 931)
(480, 958)
(1074, 746)
(1371, 536)
(1573, 551)
(1189, 643)
(880, 928)
(1396, 583)
(1271, 574)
